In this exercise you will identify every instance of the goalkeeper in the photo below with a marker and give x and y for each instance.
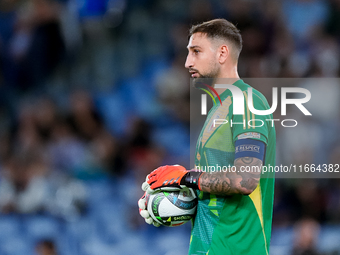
(234, 212)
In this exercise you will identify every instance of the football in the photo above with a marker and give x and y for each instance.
(172, 208)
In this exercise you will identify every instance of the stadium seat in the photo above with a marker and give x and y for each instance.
(328, 241)
(282, 236)
(17, 245)
(41, 227)
(10, 226)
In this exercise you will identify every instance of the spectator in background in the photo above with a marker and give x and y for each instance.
(38, 156)
(36, 45)
(46, 117)
(142, 154)
(305, 17)
(306, 235)
(46, 247)
(97, 147)
(173, 90)
(84, 118)
(24, 188)
(333, 19)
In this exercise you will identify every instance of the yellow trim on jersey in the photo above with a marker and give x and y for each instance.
(244, 121)
(213, 200)
(256, 197)
(206, 159)
(214, 212)
(213, 203)
(253, 117)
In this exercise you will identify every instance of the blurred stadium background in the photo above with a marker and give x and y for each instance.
(94, 95)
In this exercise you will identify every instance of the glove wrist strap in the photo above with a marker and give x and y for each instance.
(191, 179)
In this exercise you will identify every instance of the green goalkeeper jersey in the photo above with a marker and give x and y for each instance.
(236, 224)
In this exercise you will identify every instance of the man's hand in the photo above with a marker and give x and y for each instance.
(142, 204)
(165, 177)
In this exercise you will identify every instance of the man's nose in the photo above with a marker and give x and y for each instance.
(188, 62)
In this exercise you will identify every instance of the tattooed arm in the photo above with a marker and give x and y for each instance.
(229, 183)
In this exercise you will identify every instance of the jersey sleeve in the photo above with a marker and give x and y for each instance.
(250, 125)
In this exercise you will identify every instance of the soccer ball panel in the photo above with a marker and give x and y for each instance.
(172, 208)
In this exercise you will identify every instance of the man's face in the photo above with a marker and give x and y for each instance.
(202, 59)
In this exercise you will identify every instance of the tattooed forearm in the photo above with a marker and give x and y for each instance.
(239, 182)
(251, 178)
(215, 183)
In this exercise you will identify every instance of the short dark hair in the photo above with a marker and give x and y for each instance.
(219, 29)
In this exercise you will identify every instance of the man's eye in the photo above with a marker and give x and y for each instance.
(196, 51)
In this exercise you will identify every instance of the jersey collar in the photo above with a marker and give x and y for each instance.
(225, 93)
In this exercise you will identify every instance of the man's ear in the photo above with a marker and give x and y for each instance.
(223, 53)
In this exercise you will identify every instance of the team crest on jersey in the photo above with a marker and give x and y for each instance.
(249, 135)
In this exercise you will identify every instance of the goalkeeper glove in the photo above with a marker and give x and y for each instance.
(142, 204)
(171, 178)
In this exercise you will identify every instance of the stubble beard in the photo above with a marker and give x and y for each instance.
(212, 74)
